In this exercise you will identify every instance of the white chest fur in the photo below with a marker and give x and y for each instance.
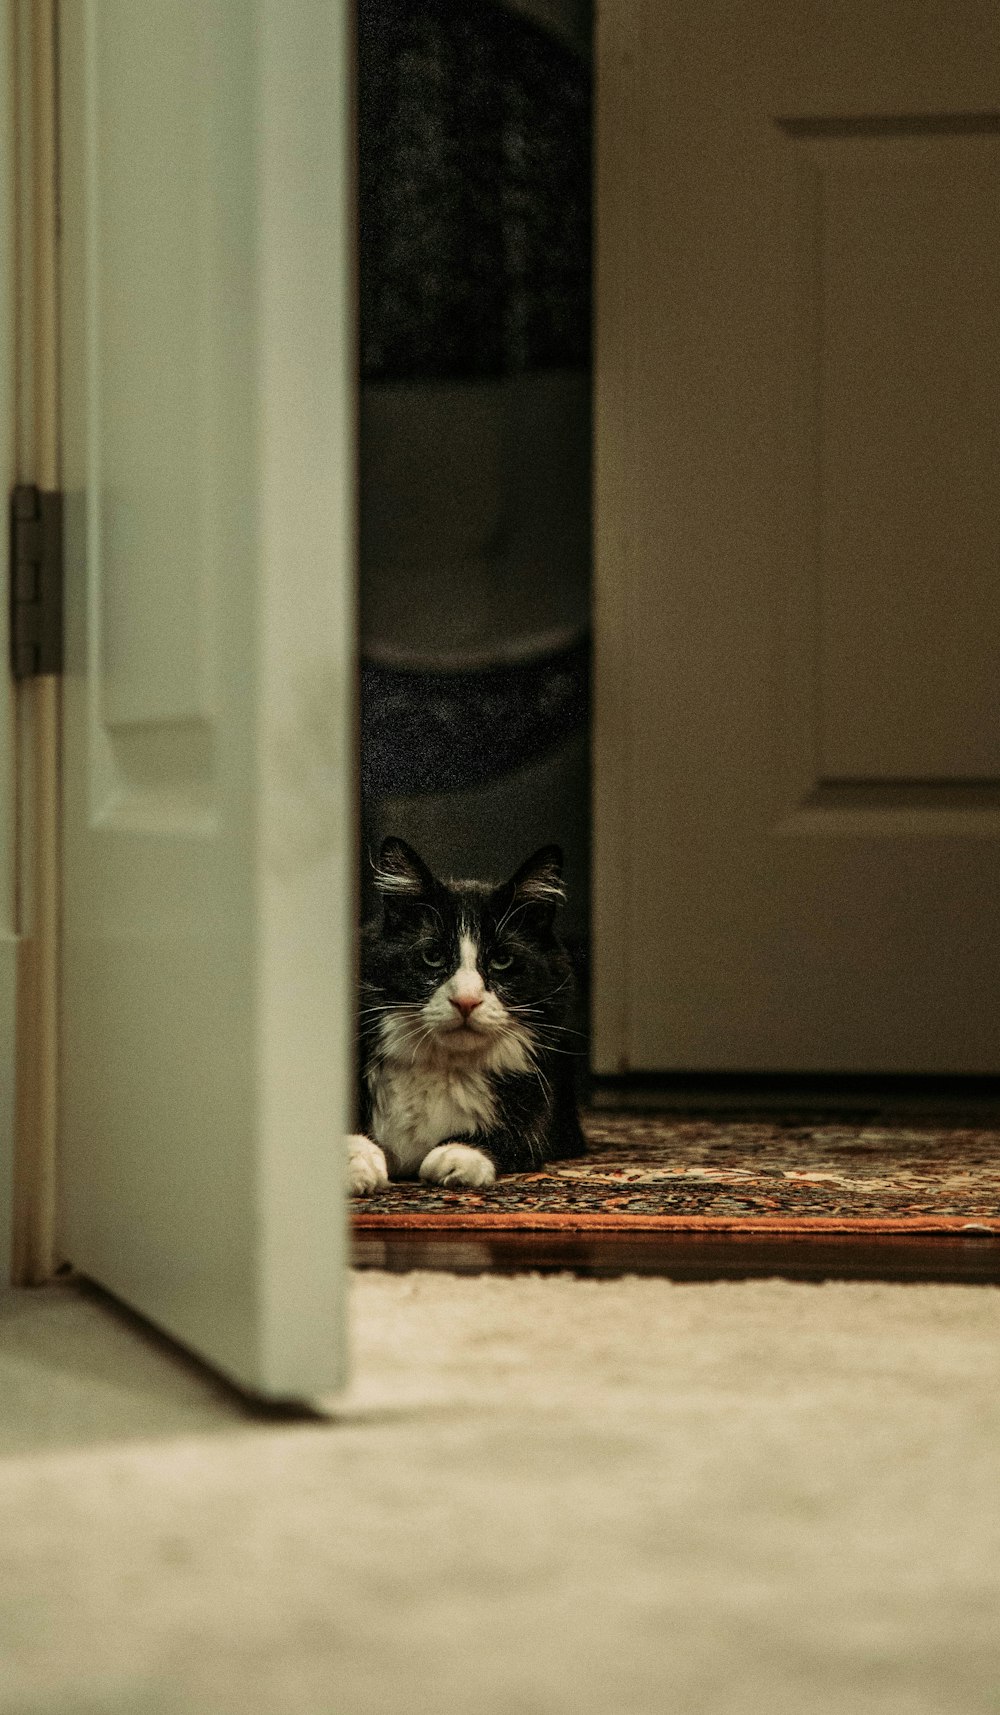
(414, 1108)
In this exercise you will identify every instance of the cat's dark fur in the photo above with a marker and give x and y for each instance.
(466, 1061)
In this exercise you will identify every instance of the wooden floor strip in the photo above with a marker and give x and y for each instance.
(969, 1258)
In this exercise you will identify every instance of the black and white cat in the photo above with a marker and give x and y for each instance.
(464, 991)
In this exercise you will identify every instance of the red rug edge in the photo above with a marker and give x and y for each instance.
(443, 1220)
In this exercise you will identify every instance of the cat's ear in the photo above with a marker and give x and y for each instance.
(401, 873)
(539, 880)
(534, 891)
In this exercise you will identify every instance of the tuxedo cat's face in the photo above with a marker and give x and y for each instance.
(463, 969)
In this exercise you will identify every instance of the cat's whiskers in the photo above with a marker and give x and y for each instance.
(395, 1040)
(541, 1025)
(421, 1039)
(515, 905)
(530, 1053)
(553, 992)
(523, 1007)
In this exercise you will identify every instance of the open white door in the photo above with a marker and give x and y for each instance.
(208, 388)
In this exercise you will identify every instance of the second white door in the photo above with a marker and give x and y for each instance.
(798, 453)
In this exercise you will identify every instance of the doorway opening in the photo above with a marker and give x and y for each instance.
(475, 270)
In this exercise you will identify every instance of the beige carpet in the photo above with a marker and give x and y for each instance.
(544, 1497)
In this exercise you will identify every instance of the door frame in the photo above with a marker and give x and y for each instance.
(9, 84)
(29, 721)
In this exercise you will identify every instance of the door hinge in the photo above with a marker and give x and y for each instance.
(36, 582)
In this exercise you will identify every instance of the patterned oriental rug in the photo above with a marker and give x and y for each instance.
(647, 1172)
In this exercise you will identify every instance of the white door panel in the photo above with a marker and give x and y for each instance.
(797, 737)
(208, 403)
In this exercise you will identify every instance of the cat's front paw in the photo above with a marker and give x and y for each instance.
(458, 1164)
(366, 1166)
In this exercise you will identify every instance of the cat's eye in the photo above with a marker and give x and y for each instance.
(501, 961)
(434, 960)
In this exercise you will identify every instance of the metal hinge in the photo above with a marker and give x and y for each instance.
(36, 582)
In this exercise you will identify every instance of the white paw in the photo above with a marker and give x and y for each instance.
(366, 1168)
(458, 1164)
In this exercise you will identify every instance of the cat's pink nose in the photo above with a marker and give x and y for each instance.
(465, 1004)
